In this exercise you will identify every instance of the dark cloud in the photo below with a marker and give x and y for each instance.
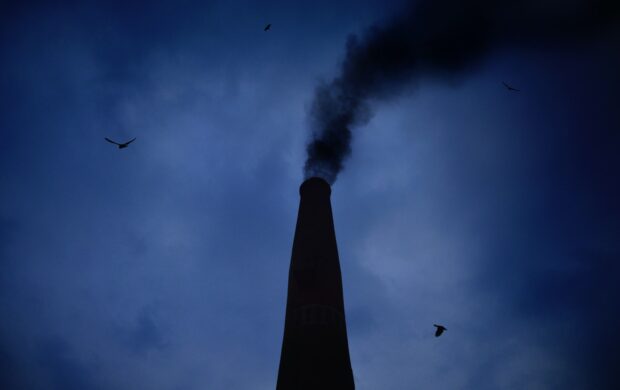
(144, 336)
(436, 38)
(164, 267)
(10, 375)
(8, 230)
(65, 369)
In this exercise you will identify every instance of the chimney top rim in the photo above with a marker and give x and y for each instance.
(315, 182)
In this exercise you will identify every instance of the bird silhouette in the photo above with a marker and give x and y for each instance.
(440, 329)
(508, 87)
(120, 146)
(267, 27)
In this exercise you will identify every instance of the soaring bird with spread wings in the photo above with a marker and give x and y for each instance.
(120, 146)
(508, 87)
(267, 27)
(440, 329)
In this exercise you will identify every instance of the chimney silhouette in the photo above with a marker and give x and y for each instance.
(315, 350)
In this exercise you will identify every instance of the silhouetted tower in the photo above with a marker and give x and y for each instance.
(315, 350)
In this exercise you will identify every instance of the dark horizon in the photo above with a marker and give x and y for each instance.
(164, 265)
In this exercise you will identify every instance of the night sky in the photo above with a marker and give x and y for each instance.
(164, 265)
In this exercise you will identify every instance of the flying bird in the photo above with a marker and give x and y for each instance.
(508, 87)
(267, 27)
(120, 146)
(440, 330)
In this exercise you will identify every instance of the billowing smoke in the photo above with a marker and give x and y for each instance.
(435, 37)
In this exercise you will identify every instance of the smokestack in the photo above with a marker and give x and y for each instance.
(315, 350)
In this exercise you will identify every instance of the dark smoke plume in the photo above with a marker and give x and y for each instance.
(435, 37)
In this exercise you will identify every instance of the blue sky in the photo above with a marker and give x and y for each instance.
(164, 265)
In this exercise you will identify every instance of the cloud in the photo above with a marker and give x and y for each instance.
(145, 335)
(164, 267)
(65, 370)
(441, 39)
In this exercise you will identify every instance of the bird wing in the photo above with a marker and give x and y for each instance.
(510, 88)
(267, 27)
(128, 142)
(110, 141)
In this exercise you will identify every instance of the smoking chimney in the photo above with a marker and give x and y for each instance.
(315, 350)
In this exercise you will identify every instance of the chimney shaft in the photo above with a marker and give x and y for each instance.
(315, 350)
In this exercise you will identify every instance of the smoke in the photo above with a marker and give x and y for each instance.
(434, 37)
